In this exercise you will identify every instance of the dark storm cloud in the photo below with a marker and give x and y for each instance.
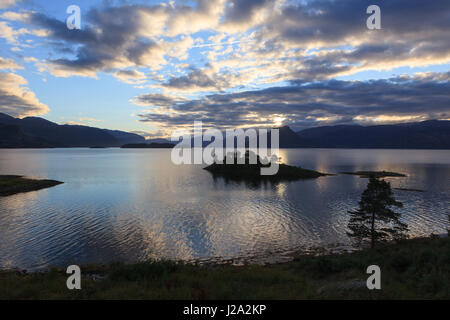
(413, 32)
(333, 21)
(58, 30)
(241, 10)
(108, 35)
(319, 20)
(302, 104)
(198, 79)
(157, 99)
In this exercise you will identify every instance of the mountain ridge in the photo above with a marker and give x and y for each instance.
(36, 132)
(430, 134)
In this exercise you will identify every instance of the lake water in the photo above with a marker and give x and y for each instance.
(134, 204)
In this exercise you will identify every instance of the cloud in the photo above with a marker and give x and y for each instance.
(15, 16)
(16, 99)
(156, 99)
(9, 64)
(412, 33)
(7, 3)
(208, 59)
(254, 42)
(84, 121)
(130, 76)
(204, 79)
(8, 33)
(123, 37)
(204, 15)
(12, 35)
(243, 15)
(303, 104)
(239, 11)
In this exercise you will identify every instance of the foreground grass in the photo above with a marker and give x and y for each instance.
(10, 184)
(412, 269)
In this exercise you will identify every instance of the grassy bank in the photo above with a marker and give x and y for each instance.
(10, 184)
(412, 269)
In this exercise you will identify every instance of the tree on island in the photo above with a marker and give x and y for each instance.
(366, 223)
(448, 230)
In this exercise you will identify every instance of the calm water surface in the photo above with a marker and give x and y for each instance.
(130, 205)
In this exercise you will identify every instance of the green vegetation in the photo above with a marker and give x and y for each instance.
(10, 184)
(248, 171)
(374, 220)
(376, 174)
(448, 229)
(410, 269)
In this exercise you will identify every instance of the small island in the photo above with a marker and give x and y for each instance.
(247, 171)
(376, 174)
(11, 184)
(153, 145)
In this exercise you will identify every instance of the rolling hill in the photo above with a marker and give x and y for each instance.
(432, 134)
(34, 132)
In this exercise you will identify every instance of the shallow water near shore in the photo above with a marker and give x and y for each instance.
(134, 204)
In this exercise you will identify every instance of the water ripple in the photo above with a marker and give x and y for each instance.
(136, 206)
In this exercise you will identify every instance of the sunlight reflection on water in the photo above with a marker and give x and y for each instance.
(129, 205)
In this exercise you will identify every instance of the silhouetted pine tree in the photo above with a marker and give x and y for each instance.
(448, 229)
(365, 223)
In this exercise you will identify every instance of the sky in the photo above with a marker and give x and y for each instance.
(151, 66)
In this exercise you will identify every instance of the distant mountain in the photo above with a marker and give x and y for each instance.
(432, 134)
(126, 137)
(288, 138)
(152, 145)
(34, 132)
(159, 140)
(11, 136)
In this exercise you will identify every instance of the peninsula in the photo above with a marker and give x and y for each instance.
(11, 184)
